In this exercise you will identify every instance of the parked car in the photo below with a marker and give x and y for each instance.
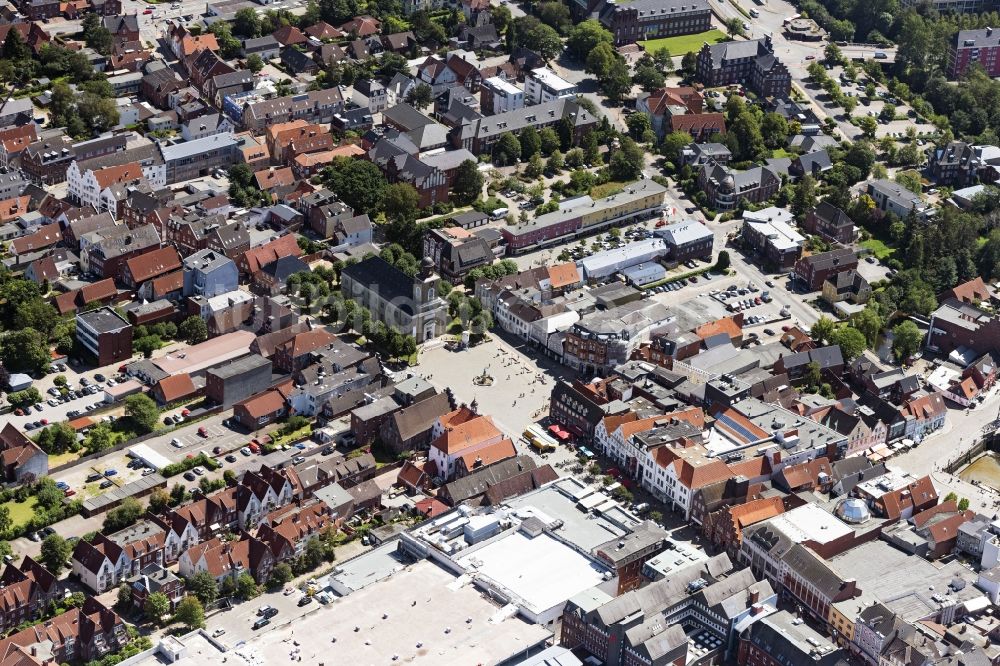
(231, 458)
(200, 471)
(110, 472)
(189, 476)
(262, 622)
(99, 377)
(107, 483)
(245, 451)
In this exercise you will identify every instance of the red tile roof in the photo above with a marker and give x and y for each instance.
(276, 249)
(263, 404)
(469, 434)
(153, 264)
(176, 387)
(125, 173)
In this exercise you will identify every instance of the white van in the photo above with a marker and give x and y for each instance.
(499, 213)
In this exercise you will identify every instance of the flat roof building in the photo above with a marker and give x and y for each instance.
(105, 335)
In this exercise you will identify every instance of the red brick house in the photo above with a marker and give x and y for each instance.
(260, 409)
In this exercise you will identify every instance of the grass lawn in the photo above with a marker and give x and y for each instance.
(681, 44)
(21, 512)
(781, 152)
(295, 436)
(62, 458)
(878, 248)
(606, 189)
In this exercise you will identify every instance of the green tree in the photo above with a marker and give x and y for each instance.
(531, 143)
(402, 201)
(734, 26)
(600, 60)
(124, 596)
(100, 438)
(5, 520)
(822, 330)
(722, 263)
(159, 500)
(359, 183)
(906, 340)
(15, 48)
(851, 341)
(673, 143)
(963, 504)
(193, 330)
(550, 140)
(804, 199)
(627, 162)
(143, 412)
(507, 150)
(617, 83)
(774, 127)
(650, 70)
(55, 553)
(156, 607)
(689, 64)
(254, 63)
(24, 398)
(813, 375)
(24, 350)
(48, 495)
(832, 54)
(37, 315)
(246, 23)
(540, 38)
(745, 138)
(281, 574)
(867, 125)
(203, 586)
(869, 322)
(246, 587)
(585, 36)
(468, 184)
(122, 516)
(95, 35)
(190, 612)
(639, 127)
(556, 162)
(555, 14)
(229, 46)
(535, 167)
(420, 96)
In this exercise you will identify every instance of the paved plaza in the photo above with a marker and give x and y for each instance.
(519, 392)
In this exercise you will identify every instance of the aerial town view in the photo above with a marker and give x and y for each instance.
(500, 332)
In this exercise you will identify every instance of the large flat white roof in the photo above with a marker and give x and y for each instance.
(540, 572)
(810, 523)
(425, 606)
(551, 80)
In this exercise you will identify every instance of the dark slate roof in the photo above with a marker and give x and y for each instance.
(827, 212)
(391, 283)
(285, 267)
